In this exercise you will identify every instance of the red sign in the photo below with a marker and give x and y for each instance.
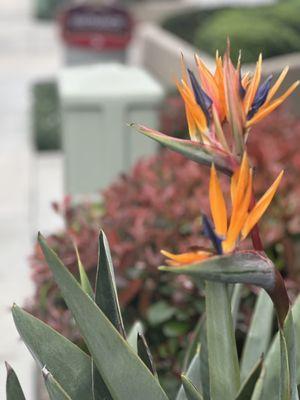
(96, 27)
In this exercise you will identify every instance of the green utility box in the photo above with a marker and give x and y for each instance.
(97, 103)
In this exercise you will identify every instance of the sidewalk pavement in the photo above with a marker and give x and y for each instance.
(29, 51)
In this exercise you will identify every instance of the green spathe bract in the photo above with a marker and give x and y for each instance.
(195, 151)
(248, 267)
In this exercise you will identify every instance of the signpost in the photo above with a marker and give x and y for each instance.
(95, 33)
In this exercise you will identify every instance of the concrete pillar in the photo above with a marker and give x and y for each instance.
(97, 104)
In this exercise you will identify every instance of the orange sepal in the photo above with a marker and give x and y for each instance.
(277, 84)
(253, 86)
(266, 110)
(217, 203)
(259, 209)
(238, 220)
(239, 188)
(185, 258)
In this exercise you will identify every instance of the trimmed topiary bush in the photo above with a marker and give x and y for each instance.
(274, 30)
(184, 25)
(287, 13)
(249, 30)
(46, 119)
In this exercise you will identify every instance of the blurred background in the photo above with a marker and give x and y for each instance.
(73, 74)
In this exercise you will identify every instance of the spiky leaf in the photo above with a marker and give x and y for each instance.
(190, 390)
(259, 334)
(13, 388)
(123, 372)
(204, 366)
(194, 375)
(288, 356)
(247, 389)
(55, 391)
(269, 382)
(84, 280)
(235, 301)
(69, 365)
(145, 354)
(106, 292)
(132, 337)
(107, 300)
(222, 351)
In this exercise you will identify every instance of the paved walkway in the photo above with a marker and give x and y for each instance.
(29, 51)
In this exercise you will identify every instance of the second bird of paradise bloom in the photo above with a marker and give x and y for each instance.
(227, 232)
(227, 96)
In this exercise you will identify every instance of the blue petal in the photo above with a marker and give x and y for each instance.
(201, 97)
(211, 234)
(241, 88)
(260, 97)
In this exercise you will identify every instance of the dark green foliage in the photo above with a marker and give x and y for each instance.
(250, 30)
(273, 30)
(46, 120)
(288, 13)
(184, 25)
(47, 9)
(13, 388)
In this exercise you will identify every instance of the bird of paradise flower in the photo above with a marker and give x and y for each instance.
(225, 232)
(221, 107)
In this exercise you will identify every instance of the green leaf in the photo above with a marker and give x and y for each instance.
(259, 334)
(160, 312)
(100, 390)
(123, 372)
(84, 280)
(235, 301)
(145, 354)
(284, 370)
(193, 374)
(175, 328)
(288, 356)
(270, 381)
(13, 387)
(204, 366)
(132, 337)
(194, 343)
(106, 292)
(202, 154)
(248, 267)
(107, 300)
(257, 393)
(199, 378)
(55, 391)
(68, 364)
(222, 353)
(247, 388)
(190, 390)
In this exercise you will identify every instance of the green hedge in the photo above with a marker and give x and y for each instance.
(184, 25)
(274, 30)
(288, 13)
(250, 30)
(47, 9)
(46, 120)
